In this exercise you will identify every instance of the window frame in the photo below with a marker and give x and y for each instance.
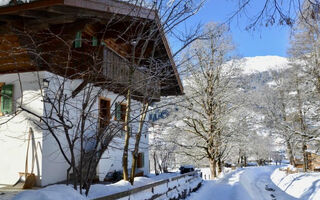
(108, 112)
(140, 160)
(122, 111)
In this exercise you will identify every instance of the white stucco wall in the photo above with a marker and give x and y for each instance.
(52, 165)
(112, 158)
(14, 130)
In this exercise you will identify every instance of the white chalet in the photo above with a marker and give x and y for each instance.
(52, 47)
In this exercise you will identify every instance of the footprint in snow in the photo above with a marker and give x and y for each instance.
(269, 188)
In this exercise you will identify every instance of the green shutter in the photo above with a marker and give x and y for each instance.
(78, 40)
(94, 41)
(118, 111)
(6, 99)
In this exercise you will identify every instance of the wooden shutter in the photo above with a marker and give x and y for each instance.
(104, 112)
(78, 42)
(140, 161)
(7, 99)
(123, 112)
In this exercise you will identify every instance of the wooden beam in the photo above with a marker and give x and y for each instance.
(79, 88)
(29, 6)
(44, 23)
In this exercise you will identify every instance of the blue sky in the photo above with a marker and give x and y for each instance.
(264, 41)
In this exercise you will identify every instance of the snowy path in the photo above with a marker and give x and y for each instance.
(252, 183)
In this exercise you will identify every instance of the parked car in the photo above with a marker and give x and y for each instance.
(186, 168)
(228, 164)
(114, 176)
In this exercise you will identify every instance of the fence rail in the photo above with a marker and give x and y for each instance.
(136, 190)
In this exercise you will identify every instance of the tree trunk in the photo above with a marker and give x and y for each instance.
(213, 168)
(155, 163)
(305, 157)
(160, 168)
(220, 167)
(245, 160)
(127, 138)
(239, 158)
(138, 137)
(290, 153)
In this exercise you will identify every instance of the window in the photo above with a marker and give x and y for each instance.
(120, 111)
(6, 99)
(140, 161)
(104, 112)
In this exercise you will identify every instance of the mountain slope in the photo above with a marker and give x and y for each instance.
(263, 63)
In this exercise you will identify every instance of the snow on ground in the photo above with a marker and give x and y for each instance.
(304, 186)
(51, 192)
(251, 183)
(98, 190)
(206, 173)
(261, 183)
(68, 193)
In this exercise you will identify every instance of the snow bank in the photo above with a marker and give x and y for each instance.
(99, 190)
(163, 176)
(53, 192)
(304, 186)
(173, 189)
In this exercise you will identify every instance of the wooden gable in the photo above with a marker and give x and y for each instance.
(28, 37)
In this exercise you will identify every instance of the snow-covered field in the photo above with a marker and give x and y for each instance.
(261, 183)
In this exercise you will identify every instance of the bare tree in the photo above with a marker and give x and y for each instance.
(209, 99)
(276, 12)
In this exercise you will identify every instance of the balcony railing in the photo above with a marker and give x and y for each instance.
(116, 69)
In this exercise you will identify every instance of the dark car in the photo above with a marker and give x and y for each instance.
(186, 168)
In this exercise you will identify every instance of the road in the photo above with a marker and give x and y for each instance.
(252, 183)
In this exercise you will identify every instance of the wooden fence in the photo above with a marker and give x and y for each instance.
(179, 187)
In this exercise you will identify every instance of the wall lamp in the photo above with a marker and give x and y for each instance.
(45, 83)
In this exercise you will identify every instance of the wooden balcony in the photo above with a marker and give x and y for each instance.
(116, 70)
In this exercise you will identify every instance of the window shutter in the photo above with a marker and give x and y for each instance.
(78, 42)
(118, 111)
(142, 160)
(6, 99)
(94, 41)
